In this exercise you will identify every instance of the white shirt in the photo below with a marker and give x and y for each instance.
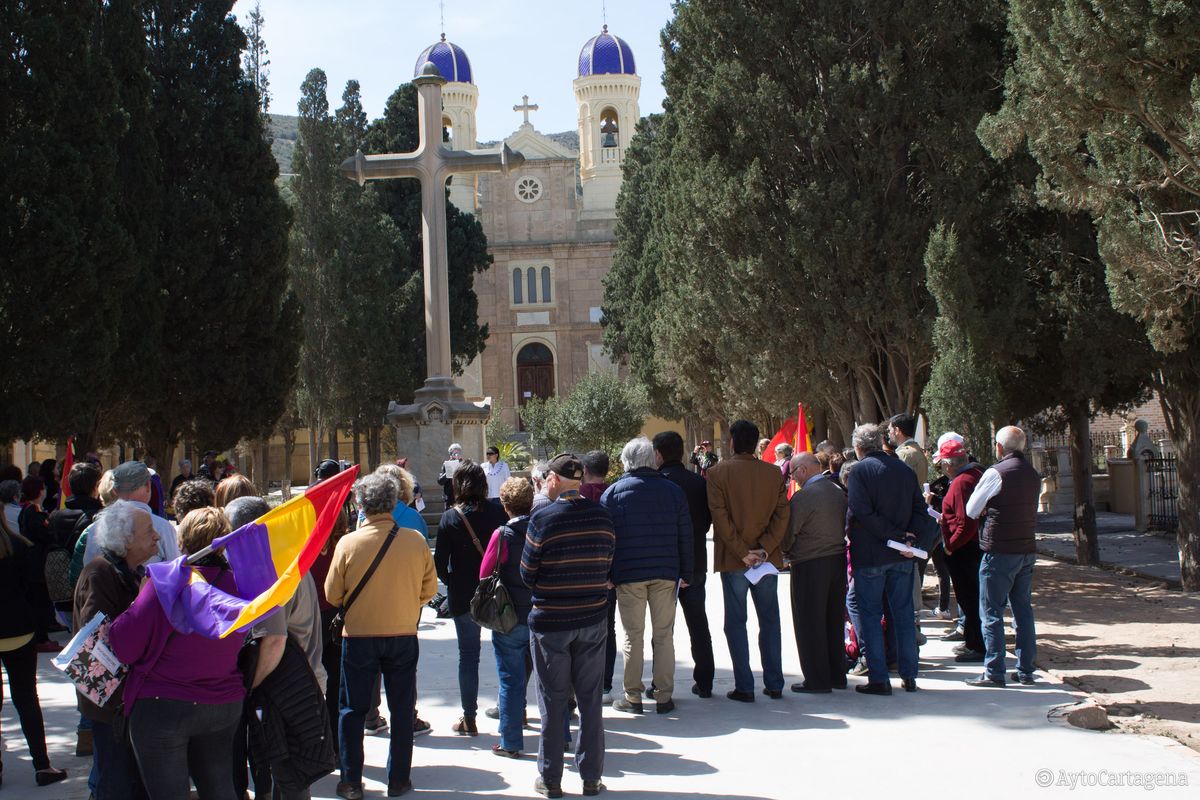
(497, 474)
(987, 488)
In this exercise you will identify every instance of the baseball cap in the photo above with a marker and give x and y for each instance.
(566, 465)
(951, 448)
(130, 476)
(950, 436)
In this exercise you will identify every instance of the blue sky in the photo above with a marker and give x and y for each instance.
(516, 47)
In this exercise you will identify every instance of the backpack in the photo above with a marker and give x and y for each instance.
(64, 528)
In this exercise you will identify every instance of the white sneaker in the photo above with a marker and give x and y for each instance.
(943, 613)
(606, 698)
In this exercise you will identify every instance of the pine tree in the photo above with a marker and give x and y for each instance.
(1106, 99)
(65, 251)
(230, 332)
(256, 60)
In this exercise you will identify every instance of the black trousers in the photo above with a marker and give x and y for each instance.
(818, 605)
(21, 666)
(964, 573)
(691, 602)
(610, 645)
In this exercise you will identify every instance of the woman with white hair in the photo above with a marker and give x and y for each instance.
(109, 584)
(449, 467)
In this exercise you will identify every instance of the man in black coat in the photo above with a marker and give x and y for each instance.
(668, 451)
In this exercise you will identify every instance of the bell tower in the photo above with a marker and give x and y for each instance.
(606, 95)
(460, 98)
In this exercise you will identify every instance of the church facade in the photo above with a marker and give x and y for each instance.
(550, 226)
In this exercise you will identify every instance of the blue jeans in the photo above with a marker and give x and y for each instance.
(1007, 579)
(468, 664)
(765, 595)
(511, 650)
(870, 585)
(113, 766)
(363, 658)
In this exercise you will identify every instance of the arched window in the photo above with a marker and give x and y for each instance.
(447, 130)
(610, 128)
(532, 284)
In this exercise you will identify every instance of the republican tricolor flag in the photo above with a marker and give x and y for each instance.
(268, 557)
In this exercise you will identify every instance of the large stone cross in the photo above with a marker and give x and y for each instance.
(433, 164)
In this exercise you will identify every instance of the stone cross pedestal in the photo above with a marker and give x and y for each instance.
(440, 413)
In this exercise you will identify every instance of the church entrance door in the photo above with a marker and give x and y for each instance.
(535, 374)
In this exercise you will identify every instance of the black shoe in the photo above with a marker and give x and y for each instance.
(774, 694)
(49, 775)
(893, 666)
(874, 688)
(803, 688)
(665, 708)
(623, 704)
(1024, 680)
(970, 657)
(699, 691)
(397, 789)
(909, 684)
(984, 680)
(592, 788)
(349, 791)
(546, 789)
(741, 697)
(650, 692)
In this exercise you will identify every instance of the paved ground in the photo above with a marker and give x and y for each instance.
(945, 737)
(1121, 545)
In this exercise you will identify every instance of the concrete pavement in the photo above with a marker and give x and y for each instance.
(1152, 554)
(947, 739)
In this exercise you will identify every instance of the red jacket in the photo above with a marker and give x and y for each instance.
(957, 528)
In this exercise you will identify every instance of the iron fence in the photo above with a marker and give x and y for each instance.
(1163, 475)
(1100, 440)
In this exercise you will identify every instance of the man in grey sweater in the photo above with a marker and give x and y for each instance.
(815, 545)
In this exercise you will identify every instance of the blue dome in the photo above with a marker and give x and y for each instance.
(450, 59)
(606, 55)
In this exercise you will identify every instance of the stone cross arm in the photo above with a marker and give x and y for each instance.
(362, 168)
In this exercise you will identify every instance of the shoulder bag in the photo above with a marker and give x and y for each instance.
(491, 607)
(339, 619)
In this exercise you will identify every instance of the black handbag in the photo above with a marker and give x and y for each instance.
(339, 619)
(492, 607)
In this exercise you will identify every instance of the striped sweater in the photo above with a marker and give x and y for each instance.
(566, 563)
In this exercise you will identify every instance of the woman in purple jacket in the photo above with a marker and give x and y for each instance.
(184, 694)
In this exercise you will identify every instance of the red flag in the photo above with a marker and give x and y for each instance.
(785, 435)
(68, 462)
(803, 441)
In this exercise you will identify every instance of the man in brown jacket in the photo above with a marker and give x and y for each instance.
(750, 515)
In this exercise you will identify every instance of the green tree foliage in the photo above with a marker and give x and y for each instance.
(65, 244)
(801, 185)
(602, 412)
(229, 336)
(1106, 98)
(397, 132)
(257, 58)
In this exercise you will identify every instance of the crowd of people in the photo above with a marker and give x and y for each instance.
(854, 527)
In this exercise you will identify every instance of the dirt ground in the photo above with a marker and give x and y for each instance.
(1131, 643)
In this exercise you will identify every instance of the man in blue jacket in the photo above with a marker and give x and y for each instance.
(652, 561)
(883, 495)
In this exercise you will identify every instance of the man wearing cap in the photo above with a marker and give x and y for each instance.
(208, 468)
(1008, 492)
(566, 564)
(960, 538)
(131, 481)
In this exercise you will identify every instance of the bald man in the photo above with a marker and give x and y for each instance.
(815, 545)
